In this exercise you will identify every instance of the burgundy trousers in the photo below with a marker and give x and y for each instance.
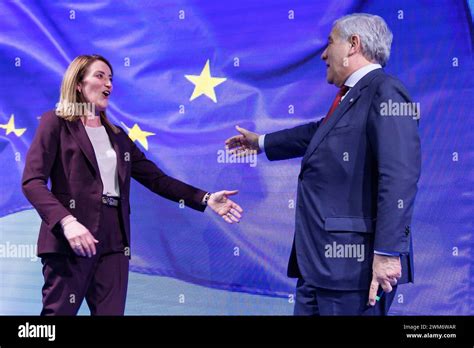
(102, 279)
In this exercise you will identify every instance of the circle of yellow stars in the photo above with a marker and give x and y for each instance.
(204, 84)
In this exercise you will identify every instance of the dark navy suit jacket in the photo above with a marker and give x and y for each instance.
(61, 151)
(356, 187)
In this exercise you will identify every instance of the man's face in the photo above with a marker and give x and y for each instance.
(97, 85)
(336, 57)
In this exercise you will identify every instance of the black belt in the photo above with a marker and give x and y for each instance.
(111, 201)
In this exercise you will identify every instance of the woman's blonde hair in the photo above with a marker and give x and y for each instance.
(70, 100)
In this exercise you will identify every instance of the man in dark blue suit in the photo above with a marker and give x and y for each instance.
(358, 179)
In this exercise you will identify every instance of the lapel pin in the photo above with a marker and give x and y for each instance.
(351, 100)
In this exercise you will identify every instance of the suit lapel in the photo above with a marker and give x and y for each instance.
(78, 132)
(324, 129)
(349, 100)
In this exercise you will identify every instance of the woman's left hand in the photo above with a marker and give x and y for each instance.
(225, 207)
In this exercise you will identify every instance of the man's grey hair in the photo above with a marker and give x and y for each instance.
(375, 36)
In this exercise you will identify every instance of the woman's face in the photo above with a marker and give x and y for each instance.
(96, 86)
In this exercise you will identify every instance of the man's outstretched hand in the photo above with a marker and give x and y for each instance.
(243, 144)
(225, 207)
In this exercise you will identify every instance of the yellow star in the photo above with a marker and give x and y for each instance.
(10, 127)
(135, 133)
(205, 83)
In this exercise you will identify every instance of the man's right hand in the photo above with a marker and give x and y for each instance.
(80, 239)
(243, 144)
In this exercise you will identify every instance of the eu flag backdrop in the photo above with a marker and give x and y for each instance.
(186, 72)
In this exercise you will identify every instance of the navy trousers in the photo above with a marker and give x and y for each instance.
(102, 279)
(311, 300)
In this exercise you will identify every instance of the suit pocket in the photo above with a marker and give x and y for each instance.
(349, 224)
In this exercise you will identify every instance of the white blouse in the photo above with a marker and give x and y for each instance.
(106, 159)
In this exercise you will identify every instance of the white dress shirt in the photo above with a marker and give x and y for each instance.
(357, 75)
(106, 159)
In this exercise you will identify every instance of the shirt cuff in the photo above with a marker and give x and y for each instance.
(261, 143)
(386, 253)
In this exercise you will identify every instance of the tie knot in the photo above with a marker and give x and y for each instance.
(343, 90)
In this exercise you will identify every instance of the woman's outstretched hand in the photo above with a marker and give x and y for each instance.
(225, 207)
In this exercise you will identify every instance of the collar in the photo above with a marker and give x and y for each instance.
(357, 75)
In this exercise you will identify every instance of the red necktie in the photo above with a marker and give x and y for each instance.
(336, 101)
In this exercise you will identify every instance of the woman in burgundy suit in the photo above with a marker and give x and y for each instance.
(84, 239)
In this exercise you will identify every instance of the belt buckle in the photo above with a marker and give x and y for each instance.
(110, 201)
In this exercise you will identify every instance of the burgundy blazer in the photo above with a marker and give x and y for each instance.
(61, 151)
